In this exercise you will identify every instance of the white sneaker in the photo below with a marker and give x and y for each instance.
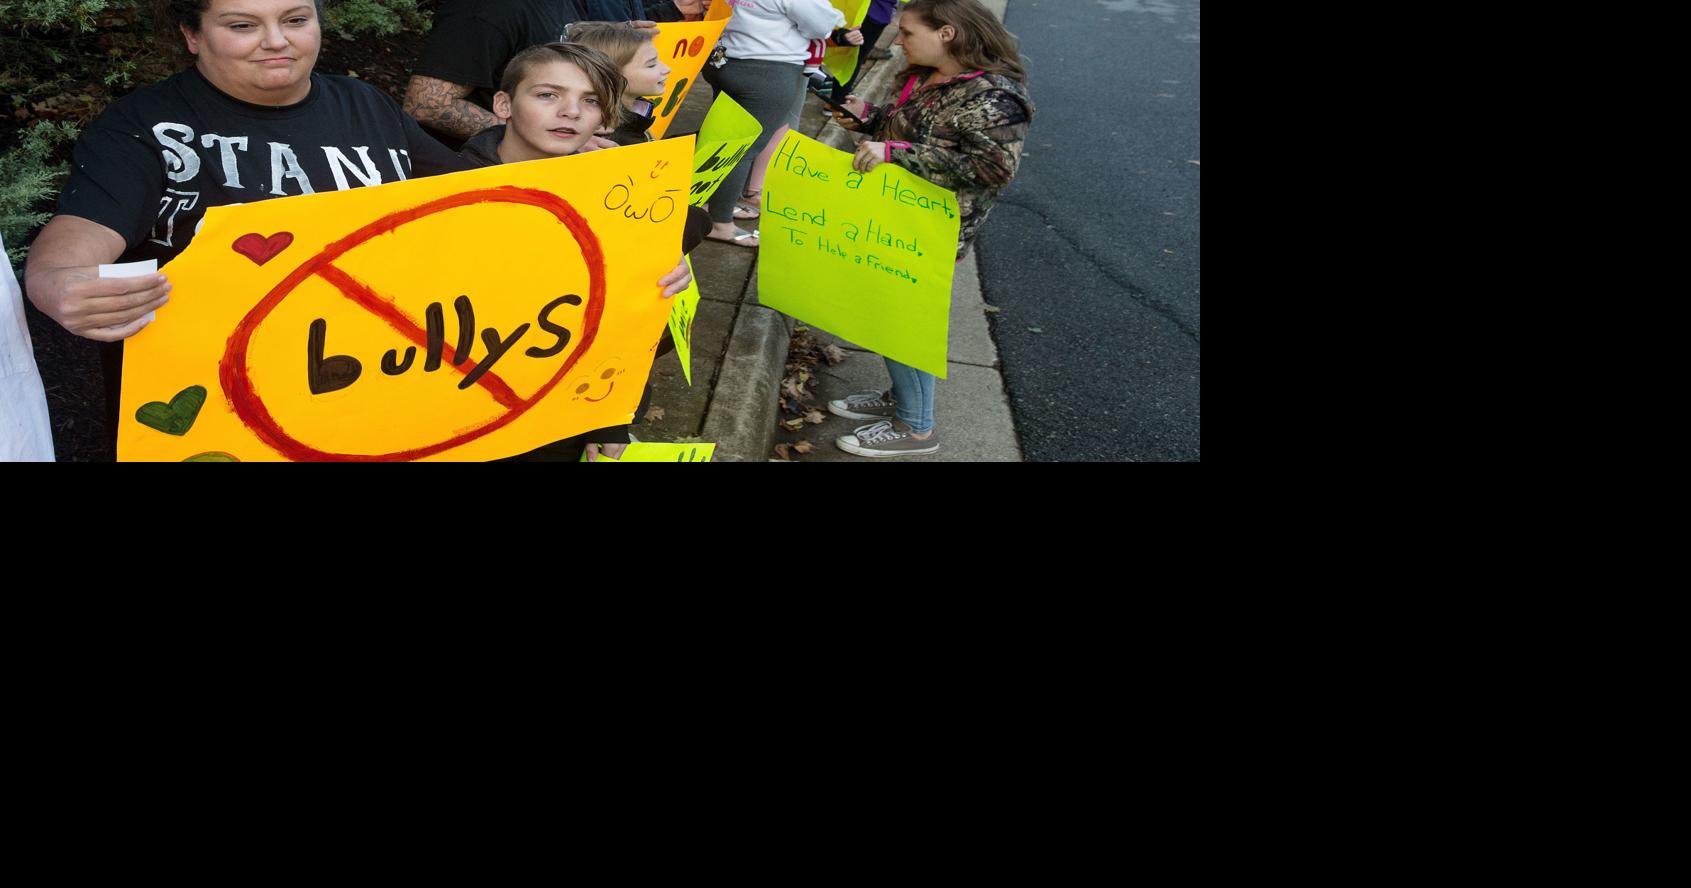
(879, 439)
(865, 405)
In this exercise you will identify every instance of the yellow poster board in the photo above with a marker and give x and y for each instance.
(642, 451)
(867, 257)
(463, 317)
(726, 135)
(685, 47)
(841, 61)
(681, 324)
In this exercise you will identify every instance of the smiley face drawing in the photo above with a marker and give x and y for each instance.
(606, 374)
(643, 206)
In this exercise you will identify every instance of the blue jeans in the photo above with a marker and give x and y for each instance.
(914, 391)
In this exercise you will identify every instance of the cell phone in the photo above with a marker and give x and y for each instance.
(828, 99)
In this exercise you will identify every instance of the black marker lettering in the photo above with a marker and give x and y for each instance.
(393, 368)
(557, 330)
(436, 320)
(329, 374)
(495, 351)
(466, 329)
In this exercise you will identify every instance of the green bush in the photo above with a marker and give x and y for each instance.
(344, 18)
(44, 14)
(27, 181)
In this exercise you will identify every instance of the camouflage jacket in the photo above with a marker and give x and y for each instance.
(965, 134)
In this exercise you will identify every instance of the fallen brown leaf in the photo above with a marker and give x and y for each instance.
(790, 387)
(833, 353)
(815, 417)
(803, 447)
(654, 413)
(781, 452)
(793, 425)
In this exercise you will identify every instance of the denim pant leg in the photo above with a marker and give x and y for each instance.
(766, 90)
(914, 391)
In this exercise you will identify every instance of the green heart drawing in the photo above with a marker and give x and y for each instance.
(177, 417)
(211, 456)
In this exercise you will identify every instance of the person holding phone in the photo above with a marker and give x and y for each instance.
(959, 121)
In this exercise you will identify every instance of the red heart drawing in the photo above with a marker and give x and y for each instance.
(261, 249)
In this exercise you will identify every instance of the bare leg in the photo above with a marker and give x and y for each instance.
(754, 182)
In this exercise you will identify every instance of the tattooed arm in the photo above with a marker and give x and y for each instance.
(444, 106)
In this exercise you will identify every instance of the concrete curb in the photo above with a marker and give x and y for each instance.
(743, 409)
(741, 416)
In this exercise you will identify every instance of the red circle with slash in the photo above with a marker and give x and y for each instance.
(236, 376)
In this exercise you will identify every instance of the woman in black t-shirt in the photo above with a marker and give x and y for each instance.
(248, 122)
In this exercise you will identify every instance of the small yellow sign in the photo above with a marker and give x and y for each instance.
(685, 47)
(726, 135)
(841, 61)
(681, 324)
(648, 452)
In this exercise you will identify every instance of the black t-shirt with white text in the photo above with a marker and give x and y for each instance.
(473, 39)
(156, 160)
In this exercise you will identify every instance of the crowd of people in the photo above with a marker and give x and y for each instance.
(502, 81)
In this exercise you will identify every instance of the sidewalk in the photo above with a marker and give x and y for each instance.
(740, 347)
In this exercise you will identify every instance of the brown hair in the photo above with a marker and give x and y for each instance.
(619, 41)
(981, 43)
(606, 79)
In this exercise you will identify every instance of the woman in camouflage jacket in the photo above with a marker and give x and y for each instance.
(959, 122)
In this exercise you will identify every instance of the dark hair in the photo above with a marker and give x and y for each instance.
(605, 78)
(981, 43)
(187, 13)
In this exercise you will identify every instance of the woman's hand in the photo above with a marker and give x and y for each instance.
(614, 451)
(869, 155)
(854, 36)
(63, 278)
(856, 106)
(676, 280)
(104, 309)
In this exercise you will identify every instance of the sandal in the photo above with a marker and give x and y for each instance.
(751, 210)
(740, 238)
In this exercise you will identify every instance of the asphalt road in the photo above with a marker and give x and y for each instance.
(1091, 255)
